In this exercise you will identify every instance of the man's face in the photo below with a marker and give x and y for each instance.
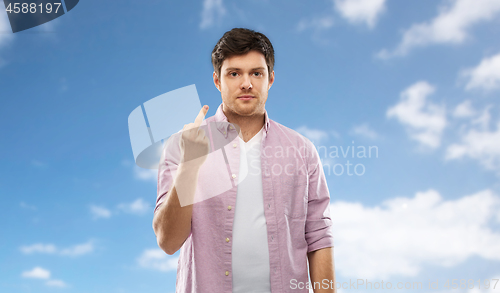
(244, 82)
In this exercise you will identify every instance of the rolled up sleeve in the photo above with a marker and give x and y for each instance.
(318, 232)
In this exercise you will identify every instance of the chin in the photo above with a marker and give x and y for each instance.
(243, 108)
(245, 111)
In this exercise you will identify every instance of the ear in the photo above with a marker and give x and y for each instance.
(271, 79)
(216, 81)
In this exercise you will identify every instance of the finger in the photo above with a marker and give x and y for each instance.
(187, 127)
(201, 115)
(201, 133)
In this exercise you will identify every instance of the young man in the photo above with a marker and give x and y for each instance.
(259, 233)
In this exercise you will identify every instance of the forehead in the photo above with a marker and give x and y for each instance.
(252, 59)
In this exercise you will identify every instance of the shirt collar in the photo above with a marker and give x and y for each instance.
(223, 125)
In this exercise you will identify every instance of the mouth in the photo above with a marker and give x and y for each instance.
(246, 97)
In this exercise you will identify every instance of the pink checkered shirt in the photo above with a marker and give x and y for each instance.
(296, 208)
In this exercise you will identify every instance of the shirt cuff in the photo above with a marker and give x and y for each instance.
(319, 239)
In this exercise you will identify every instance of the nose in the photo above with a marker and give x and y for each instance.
(246, 82)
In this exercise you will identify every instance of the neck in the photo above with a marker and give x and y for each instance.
(249, 125)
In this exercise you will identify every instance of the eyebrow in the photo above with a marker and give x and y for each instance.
(237, 69)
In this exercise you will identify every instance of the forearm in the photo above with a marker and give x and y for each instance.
(172, 221)
(322, 270)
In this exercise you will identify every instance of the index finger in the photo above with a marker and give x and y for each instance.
(201, 115)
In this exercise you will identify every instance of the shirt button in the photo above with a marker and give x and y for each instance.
(231, 127)
(227, 239)
(234, 176)
(234, 145)
(229, 208)
(227, 273)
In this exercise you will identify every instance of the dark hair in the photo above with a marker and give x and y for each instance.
(239, 41)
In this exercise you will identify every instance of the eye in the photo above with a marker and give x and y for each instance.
(233, 74)
(257, 73)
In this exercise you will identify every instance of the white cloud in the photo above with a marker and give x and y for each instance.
(364, 130)
(36, 273)
(334, 134)
(56, 283)
(493, 288)
(145, 174)
(5, 30)
(479, 143)
(6, 34)
(27, 206)
(76, 250)
(212, 10)
(361, 11)
(79, 249)
(485, 76)
(39, 248)
(99, 212)
(483, 120)
(138, 207)
(41, 273)
(317, 23)
(157, 259)
(315, 135)
(424, 120)
(63, 84)
(402, 235)
(38, 163)
(450, 26)
(327, 162)
(464, 110)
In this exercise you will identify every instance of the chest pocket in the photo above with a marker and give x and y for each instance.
(294, 194)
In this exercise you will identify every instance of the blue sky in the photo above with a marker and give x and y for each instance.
(417, 80)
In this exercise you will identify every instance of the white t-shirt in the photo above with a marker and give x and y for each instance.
(250, 250)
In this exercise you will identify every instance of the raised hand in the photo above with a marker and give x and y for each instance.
(194, 142)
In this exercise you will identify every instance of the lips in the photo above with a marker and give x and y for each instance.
(246, 97)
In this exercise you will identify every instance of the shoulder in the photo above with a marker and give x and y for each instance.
(286, 138)
(289, 135)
